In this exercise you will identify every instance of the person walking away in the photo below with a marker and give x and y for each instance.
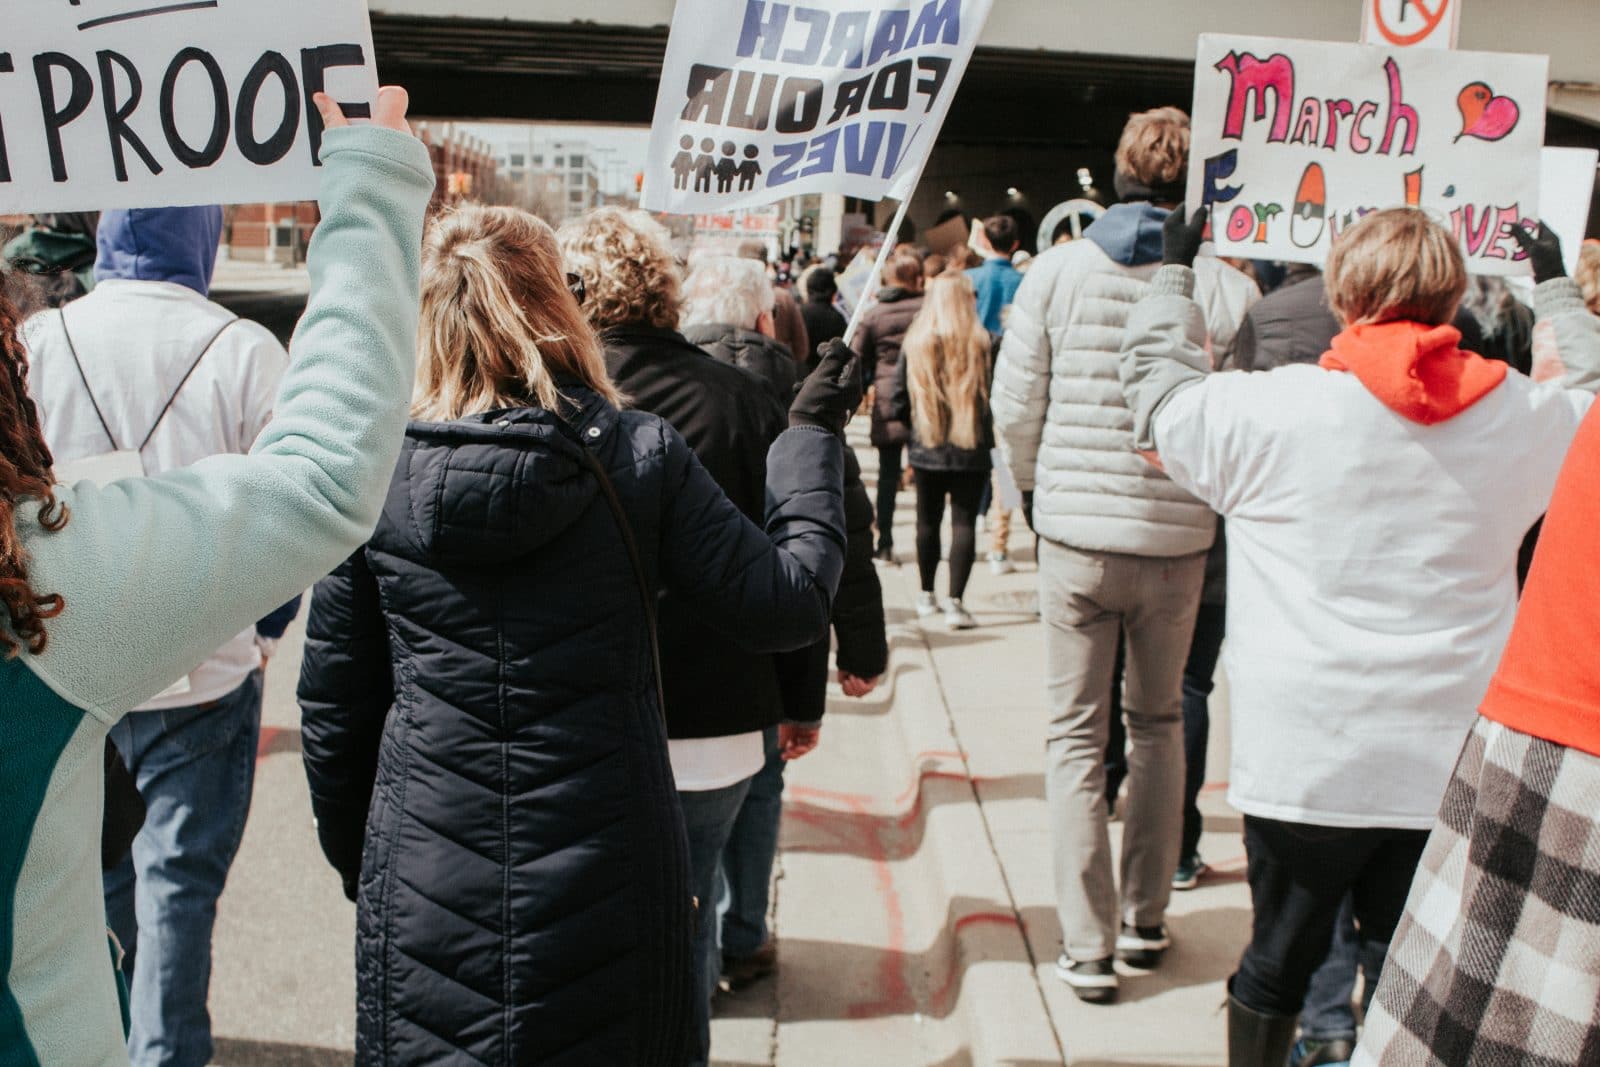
(878, 339)
(219, 546)
(727, 311)
(1354, 673)
(1294, 324)
(942, 394)
(1494, 961)
(1122, 552)
(996, 281)
(788, 324)
(146, 373)
(522, 482)
(820, 288)
(720, 697)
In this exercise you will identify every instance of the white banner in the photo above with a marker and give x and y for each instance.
(139, 103)
(1566, 189)
(762, 100)
(1294, 141)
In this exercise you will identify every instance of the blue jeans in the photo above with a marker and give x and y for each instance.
(1328, 1013)
(195, 768)
(708, 816)
(747, 860)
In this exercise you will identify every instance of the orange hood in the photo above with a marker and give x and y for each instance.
(1416, 371)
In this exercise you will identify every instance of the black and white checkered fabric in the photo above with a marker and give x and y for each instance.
(1497, 961)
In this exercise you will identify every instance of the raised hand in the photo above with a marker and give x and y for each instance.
(831, 393)
(1544, 251)
(389, 111)
(1181, 237)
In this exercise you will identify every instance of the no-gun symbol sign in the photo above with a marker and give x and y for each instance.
(1412, 23)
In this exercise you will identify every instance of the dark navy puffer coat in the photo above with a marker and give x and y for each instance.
(486, 754)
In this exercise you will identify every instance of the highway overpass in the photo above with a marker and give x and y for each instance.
(1047, 91)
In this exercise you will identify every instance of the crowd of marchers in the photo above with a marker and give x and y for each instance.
(587, 548)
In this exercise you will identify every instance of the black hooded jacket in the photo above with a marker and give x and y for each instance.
(482, 734)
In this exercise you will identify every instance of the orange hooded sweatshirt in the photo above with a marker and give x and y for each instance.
(1548, 684)
(1416, 371)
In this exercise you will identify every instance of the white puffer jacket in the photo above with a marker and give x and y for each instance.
(1059, 417)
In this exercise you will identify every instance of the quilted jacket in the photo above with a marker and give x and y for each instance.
(1059, 415)
(484, 743)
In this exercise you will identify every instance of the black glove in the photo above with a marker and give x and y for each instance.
(1181, 237)
(1027, 510)
(831, 393)
(1544, 251)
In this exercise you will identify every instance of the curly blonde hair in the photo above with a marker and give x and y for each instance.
(1154, 148)
(629, 274)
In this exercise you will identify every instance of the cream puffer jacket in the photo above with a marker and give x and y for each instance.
(1059, 416)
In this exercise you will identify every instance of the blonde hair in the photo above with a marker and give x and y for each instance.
(947, 365)
(498, 321)
(1154, 149)
(629, 274)
(1588, 275)
(727, 290)
(1396, 265)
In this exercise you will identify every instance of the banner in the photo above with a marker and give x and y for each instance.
(1411, 23)
(129, 103)
(762, 100)
(1294, 141)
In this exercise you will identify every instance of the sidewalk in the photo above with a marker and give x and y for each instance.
(913, 902)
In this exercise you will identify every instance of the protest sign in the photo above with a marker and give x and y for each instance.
(1293, 141)
(755, 224)
(129, 103)
(1411, 23)
(761, 100)
(1566, 188)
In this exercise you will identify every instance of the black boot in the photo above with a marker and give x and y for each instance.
(1256, 1040)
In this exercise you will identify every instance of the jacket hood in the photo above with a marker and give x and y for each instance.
(1416, 371)
(177, 245)
(1130, 233)
(733, 338)
(494, 487)
(42, 251)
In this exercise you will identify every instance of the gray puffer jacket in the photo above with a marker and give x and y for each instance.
(1059, 416)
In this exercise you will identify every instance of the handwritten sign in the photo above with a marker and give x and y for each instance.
(1294, 141)
(1411, 23)
(140, 103)
(762, 100)
(740, 225)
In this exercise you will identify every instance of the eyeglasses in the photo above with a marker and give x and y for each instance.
(576, 287)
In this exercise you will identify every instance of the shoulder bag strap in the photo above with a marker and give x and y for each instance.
(646, 596)
(72, 349)
(181, 382)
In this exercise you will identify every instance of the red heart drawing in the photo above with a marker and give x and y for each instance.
(1484, 115)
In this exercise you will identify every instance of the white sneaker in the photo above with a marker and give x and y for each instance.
(1000, 564)
(957, 617)
(926, 606)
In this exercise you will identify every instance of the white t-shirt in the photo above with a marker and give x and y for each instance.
(707, 763)
(136, 340)
(1371, 577)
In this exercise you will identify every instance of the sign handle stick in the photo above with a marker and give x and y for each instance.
(870, 296)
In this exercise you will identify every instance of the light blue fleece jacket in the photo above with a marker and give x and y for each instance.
(153, 569)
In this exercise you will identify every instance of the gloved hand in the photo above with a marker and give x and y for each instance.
(1181, 237)
(831, 393)
(1544, 251)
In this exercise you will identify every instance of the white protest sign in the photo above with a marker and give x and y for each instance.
(762, 100)
(1293, 141)
(1566, 187)
(1411, 23)
(754, 224)
(129, 103)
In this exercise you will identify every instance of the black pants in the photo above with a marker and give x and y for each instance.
(1299, 875)
(965, 490)
(889, 468)
(1199, 676)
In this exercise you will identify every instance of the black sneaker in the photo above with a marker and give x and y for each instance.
(884, 554)
(1190, 870)
(1142, 946)
(1094, 981)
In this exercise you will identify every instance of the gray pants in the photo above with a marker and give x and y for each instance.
(1087, 597)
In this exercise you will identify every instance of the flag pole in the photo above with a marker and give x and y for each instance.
(870, 296)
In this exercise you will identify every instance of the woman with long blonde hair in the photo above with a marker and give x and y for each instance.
(942, 393)
(482, 720)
